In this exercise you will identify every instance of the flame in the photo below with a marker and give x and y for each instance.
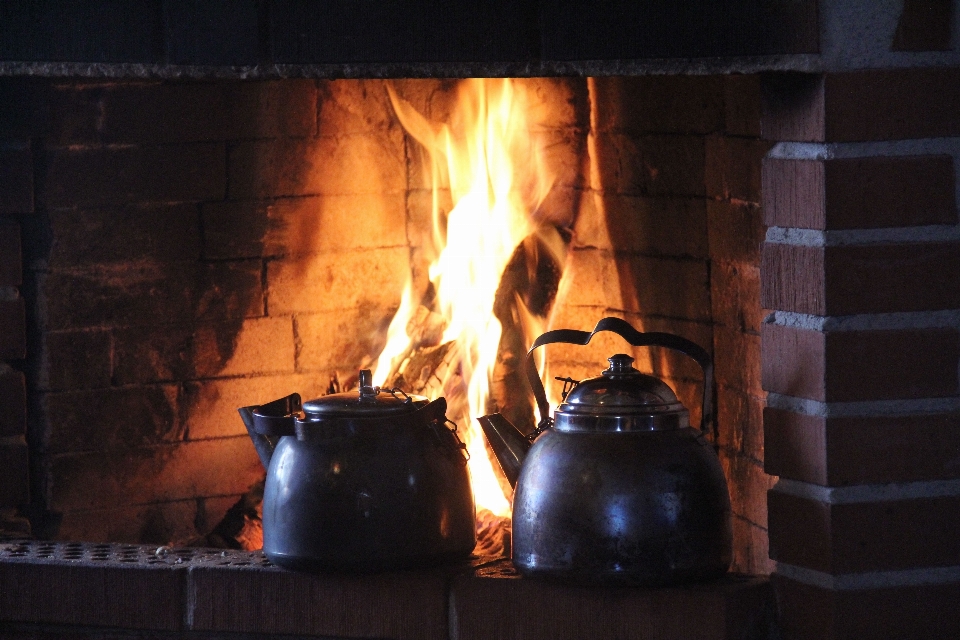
(497, 177)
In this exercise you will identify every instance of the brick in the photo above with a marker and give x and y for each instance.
(16, 176)
(793, 193)
(142, 113)
(91, 594)
(923, 26)
(733, 167)
(211, 405)
(731, 607)
(750, 549)
(148, 293)
(164, 233)
(155, 524)
(362, 106)
(739, 420)
(861, 450)
(411, 605)
(92, 176)
(846, 280)
(75, 360)
(649, 226)
(233, 229)
(649, 285)
(880, 104)
(24, 110)
(167, 472)
(110, 420)
(650, 165)
(13, 330)
(659, 104)
(748, 485)
(808, 612)
(735, 231)
(321, 166)
(860, 365)
(300, 226)
(737, 360)
(735, 296)
(15, 485)
(13, 399)
(11, 257)
(341, 341)
(863, 536)
(860, 193)
(370, 281)
(741, 105)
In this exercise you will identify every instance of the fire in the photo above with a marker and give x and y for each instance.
(495, 176)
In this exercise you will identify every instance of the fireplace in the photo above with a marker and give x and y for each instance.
(194, 230)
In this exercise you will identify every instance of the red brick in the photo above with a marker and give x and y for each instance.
(650, 226)
(11, 257)
(110, 420)
(75, 360)
(860, 365)
(659, 104)
(319, 166)
(148, 293)
(881, 104)
(233, 229)
(735, 295)
(15, 481)
(167, 472)
(143, 112)
(793, 193)
(926, 611)
(650, 165)
(348, 107)
(845, 280)
(16, 176)
(410, 605)
(748, 485)
(649, 285)
(65, 593)
(733, 167)
(863, 536)
(13, 329)
(741, 104)
(164, 233)
(90, 176)
(923, 26)
(495, 603)
(13, 399)
(793, 361)
(859, 193)
(862, 450)
(324, 345)
(736, 231)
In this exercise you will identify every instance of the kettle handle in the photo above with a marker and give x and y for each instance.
(636, 338)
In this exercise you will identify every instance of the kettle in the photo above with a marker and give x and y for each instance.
(362, 481)
(616, 487)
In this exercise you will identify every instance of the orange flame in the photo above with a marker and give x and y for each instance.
(497, 177)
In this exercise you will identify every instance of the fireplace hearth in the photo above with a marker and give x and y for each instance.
(205, 206)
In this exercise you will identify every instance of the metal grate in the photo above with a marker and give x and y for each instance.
(126, 554)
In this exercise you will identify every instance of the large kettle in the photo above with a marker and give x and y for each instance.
(616, 487)
(362, 481)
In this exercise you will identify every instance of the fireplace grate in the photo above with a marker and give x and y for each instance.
(126, 554)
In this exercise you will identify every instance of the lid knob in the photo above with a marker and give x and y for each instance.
(368, 392)
(620, 364)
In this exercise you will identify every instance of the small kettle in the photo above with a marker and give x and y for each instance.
(364, 481)
(616, 487)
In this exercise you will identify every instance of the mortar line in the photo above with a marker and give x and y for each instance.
(870, 579)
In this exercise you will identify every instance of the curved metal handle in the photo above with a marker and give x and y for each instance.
(636, 338)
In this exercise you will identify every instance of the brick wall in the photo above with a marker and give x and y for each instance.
(861, 265)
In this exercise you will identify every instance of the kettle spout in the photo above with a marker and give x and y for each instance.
(509, 444)
(263, 444)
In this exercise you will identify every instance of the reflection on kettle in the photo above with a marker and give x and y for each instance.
(616, 487)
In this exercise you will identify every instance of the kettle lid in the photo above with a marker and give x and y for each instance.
(371, 402)
(621, 399)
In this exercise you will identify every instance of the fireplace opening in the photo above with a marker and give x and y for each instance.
(201, 246)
